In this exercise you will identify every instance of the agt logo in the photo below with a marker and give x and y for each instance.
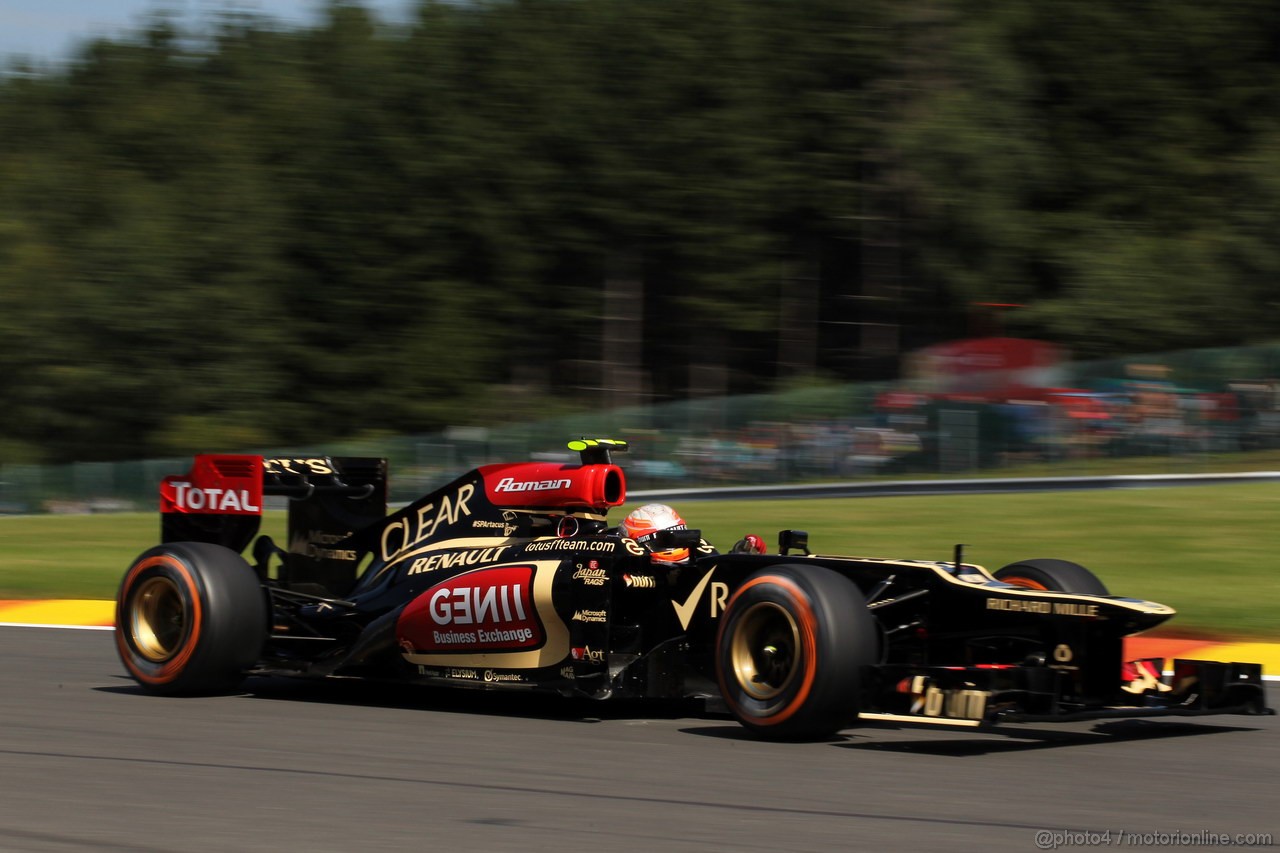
(586, 653)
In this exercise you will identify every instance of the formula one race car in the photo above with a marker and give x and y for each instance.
(511, 578)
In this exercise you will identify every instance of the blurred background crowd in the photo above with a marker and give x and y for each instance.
(1110, 417)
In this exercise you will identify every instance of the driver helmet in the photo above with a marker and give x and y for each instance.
(643, 525)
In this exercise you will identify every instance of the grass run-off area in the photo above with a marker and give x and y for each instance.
(1212, 552)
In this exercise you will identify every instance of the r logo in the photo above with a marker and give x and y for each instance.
(719, 597)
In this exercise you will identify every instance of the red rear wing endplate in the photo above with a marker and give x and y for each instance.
(215, 485)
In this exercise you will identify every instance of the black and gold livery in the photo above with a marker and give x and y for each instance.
(512, 578)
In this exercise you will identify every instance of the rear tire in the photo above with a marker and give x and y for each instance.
(190, 618)
(1052, 576)
(790, 654)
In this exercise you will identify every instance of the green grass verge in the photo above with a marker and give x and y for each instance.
(1213, 552)
(79, 556)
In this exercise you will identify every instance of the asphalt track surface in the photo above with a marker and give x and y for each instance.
(91, 763)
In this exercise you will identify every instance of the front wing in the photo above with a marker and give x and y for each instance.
(991, 695)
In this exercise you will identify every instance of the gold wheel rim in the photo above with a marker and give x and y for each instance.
(764, 651)
(157, 619)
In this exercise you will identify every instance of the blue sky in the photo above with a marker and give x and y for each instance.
(50, 29)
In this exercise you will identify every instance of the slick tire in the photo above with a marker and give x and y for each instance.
(190, 618)
(791, 651)
(1052, 576)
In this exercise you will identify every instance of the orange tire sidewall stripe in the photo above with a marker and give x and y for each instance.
(808, 641)
(1025, 583)
(173, 667)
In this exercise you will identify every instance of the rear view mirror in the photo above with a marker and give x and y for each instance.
(788, 539)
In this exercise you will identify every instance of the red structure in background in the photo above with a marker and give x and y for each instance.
(989, 370)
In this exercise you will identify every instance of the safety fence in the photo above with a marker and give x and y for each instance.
(1166, 413)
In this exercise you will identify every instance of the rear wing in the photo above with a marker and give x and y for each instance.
(220, 500)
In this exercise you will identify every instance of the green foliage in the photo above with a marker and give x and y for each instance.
(277, 235)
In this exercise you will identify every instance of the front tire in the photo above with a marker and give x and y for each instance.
(1052, 576)
(191, 617)
(791, 651)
